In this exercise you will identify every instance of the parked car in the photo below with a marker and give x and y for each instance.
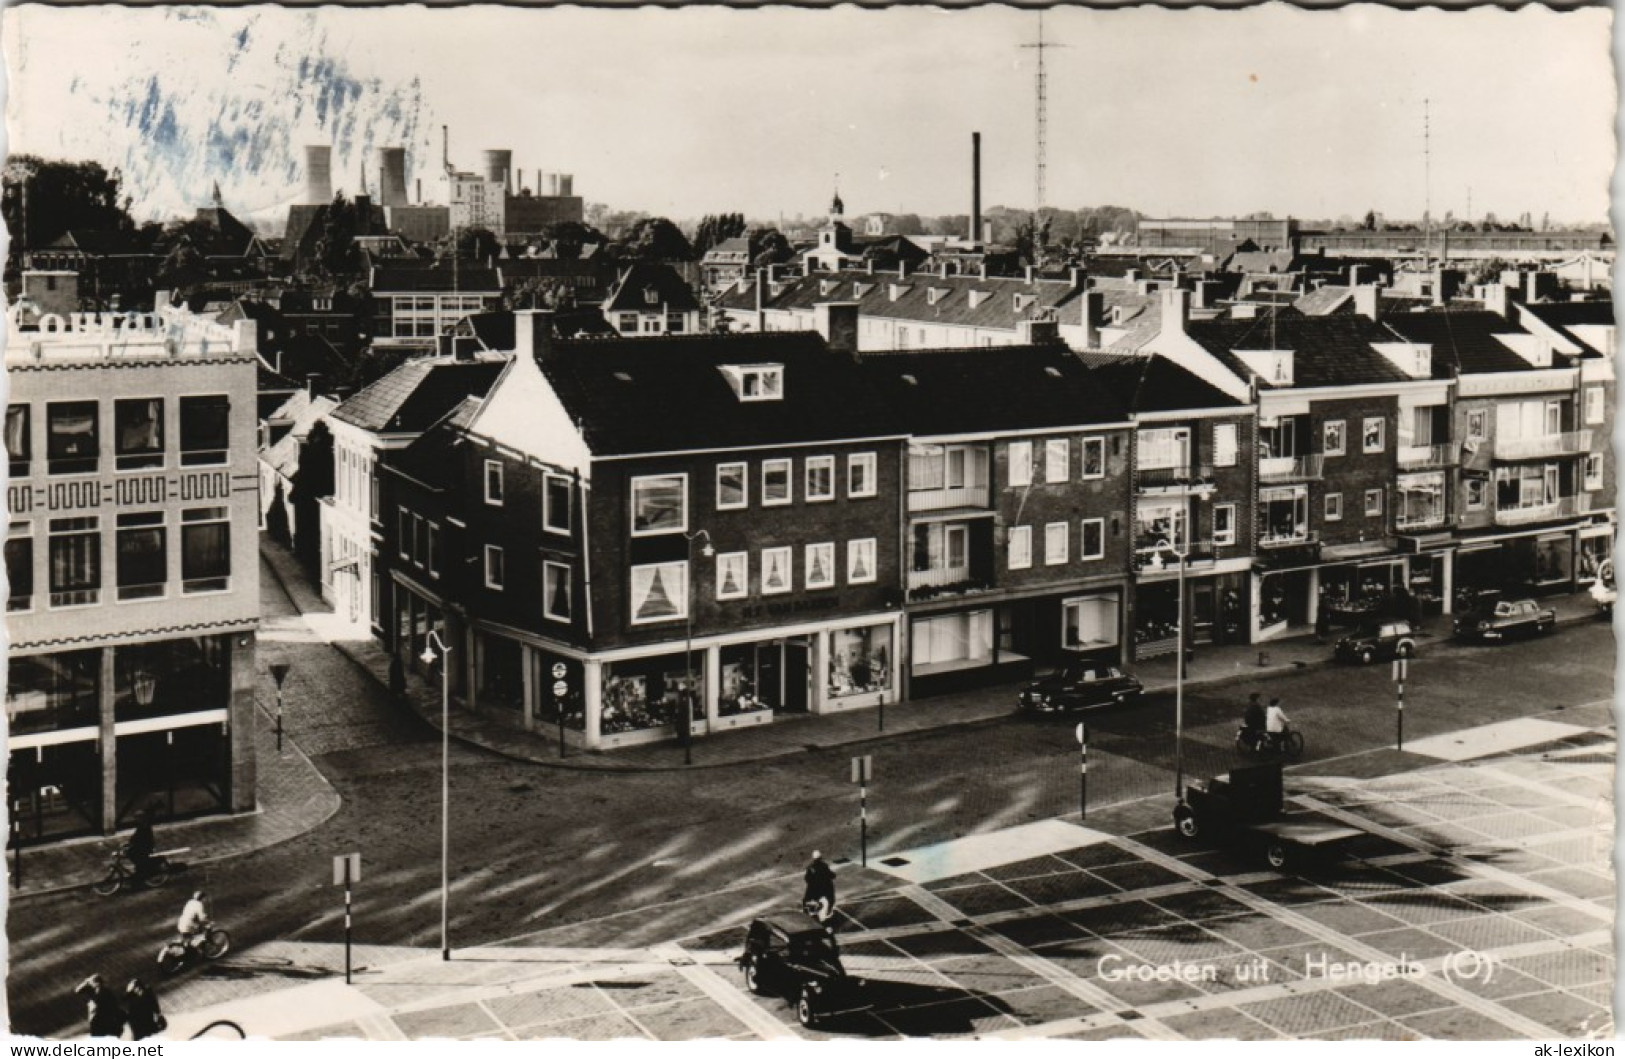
(1603, 590)
(1388, 639)
(1507, 618)
(794, 956)
(1079, 684)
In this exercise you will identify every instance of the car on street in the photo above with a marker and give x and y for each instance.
(1603, 591)
(1079, 684)
(1385, 639)
(1505, 619)
(794, 956)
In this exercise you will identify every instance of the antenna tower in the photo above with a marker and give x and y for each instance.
(1427, 187)
(1041, 92)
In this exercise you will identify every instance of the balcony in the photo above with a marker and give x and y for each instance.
(939, 577)
(1426, 457)
(1290, 468)
(969, 496)
(1184, 479)
(1414, 523)
(1572, 443)
(1560, 508)
(1287, 540)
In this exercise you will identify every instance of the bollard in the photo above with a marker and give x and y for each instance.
(1263, 659)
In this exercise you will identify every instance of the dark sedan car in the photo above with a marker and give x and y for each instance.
(1080, 685)
(795, 957)
(1388, 639)
(1508, 618)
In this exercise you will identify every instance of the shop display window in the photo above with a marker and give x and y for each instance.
(171, 676)
(748, 679)
(46, 693)
(860, 660)
(648, 693)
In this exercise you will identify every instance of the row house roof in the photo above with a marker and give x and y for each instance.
(435, 279)
(1464, 343)
(417, 394)
(994, 302)
(1153, 384)
(1567, 317)
(649, 286)
(1326, 350)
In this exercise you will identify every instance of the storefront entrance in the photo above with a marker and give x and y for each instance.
(56, 791)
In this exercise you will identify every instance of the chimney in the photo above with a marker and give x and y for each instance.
(975, 187)
(445, 147)
(533, 333)
(1080, 279)
(1355, 274)
(1032, 273)
(1497, 298)
(761, 297)
(869, 265)
(1176, 309)
(1094, 315)
(1132, 277)
(838, 323)
(313, 385)
(1206, 293)
(902, 270)
(420, 191)
(1368, 301)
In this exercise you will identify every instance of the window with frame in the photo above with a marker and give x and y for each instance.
(1224, 524)
(143, 567)
(820, 472)
(138, 433)
(1021, 463)
(1057, 459)
(1373, 503)
(20, 567)
(403, 533)
(860, 561)
(432, 533)
(556, 591)
(420, 542)
(1371, 434)
(205, 550)
(659, 592)
(1593, 471)
(494, 568)
(1163, 449)
(72, 437)
(1596, 410)
(556, 498)
(493, 482)
(775, 483)
(1020, 547)
(629, 323)
(659, 504)
(820, 568)
(733, 488)
(1333, 434)
(1094, 458)
(1093, 543)
(1478, 424)
(19, 439)
(1056, 539)
(776, 573)
(1334, 507)
(733, 575)
(1226, 445)
(1477, 493)
(860, 474)
(75, 561)
(205, 430)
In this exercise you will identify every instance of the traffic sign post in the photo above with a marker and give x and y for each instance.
(561, 693)
(279, 673)
(1083, 770)
(1401, 670)
(347, 871)
(881, 712)
(862, 770)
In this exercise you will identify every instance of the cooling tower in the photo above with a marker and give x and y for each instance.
(498, 167)
(392, 176)
(566, 184)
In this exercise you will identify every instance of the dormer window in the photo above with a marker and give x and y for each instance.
(651, 296)
(755, 382)
(827, 287)
(977, 297)
(1022, 301)
(936, 294)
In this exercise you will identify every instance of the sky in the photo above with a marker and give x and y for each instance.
(684, 112)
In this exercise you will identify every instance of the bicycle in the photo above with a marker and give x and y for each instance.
(1255, 740)
(122, 872)
(212, 943)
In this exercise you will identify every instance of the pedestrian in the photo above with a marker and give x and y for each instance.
(141, 1008)
(819, 897)
(1323, 619)
(102, 1008)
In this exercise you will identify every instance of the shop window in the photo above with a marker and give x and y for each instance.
(952, 641)
(20, 568)
(860, 561)
(556, 498)
(659, 504)
(1226, 447)
(1373, 503)
(556, 591)
(1094, 458)
(1371, 435)
(205, 430)
(500, 667)
(860, 474)
(53, 692)
(733, 575)
(775, 571)
(820, 568)
(1057, 459)
(1056, 537)
(733, 490)
(205, 550)
(76, 561)
(494, 567)
(493, 483)
(1094, 539)
(859, 660)
(649, 693)
(1477, 489)
(1021, 547)
(1593, 471)
(72, 437)
(659, 592)
(749, 678)
(775, 483)
(1089, 623)
(167, 677)
(1334, 507)
(1021, 463)
(138, 433)
(19, 439)
(143, 567)
(820, 471)
(1224, 524)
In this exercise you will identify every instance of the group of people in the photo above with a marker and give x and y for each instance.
(1264, 722)
(110, 1011)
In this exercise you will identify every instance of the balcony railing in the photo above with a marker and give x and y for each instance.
(938, 577)
(1571, 443)
(1176, 479)
(1409, 523)
(1290, 468)
(1420, 457)
(1272, 540)
(1560, 508)
(939, 499)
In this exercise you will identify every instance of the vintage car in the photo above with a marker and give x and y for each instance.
(794, 956)
(1505, 619)
(1387, 639)
(1603, 590)
(1079, 684)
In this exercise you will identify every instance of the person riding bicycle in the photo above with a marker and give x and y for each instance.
(1252, 719)
(194, 920)
(819, 897)
(1276, 722)
(141, 845)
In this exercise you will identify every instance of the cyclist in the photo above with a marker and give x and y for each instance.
(1252, 720)
(1276, 723)
(141, 845)
(194, 920)
(819, 897)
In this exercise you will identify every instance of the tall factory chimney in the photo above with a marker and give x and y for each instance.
(975, 187)
(567, 184)
(499, 167)
(392, 176)
(318, 174)
(445, 148)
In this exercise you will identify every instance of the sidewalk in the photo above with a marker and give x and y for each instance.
(797, 734)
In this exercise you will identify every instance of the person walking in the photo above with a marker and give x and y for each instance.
(819, 896)
(102, 1008)
(141, 1009)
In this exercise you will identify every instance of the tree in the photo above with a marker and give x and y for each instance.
(769, 247)
(717, 228)
(59, 196)
(569, 238)
(653, 239)
(336, 253)
(1370, 222)
(472, 244)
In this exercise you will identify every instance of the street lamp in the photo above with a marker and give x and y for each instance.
(429, 658)
(687, 730)
(1181, 549)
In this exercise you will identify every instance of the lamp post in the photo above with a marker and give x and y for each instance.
(687, 730)
(429, 657)
(1181, 549)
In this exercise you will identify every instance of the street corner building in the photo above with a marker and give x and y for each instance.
(132, 568)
